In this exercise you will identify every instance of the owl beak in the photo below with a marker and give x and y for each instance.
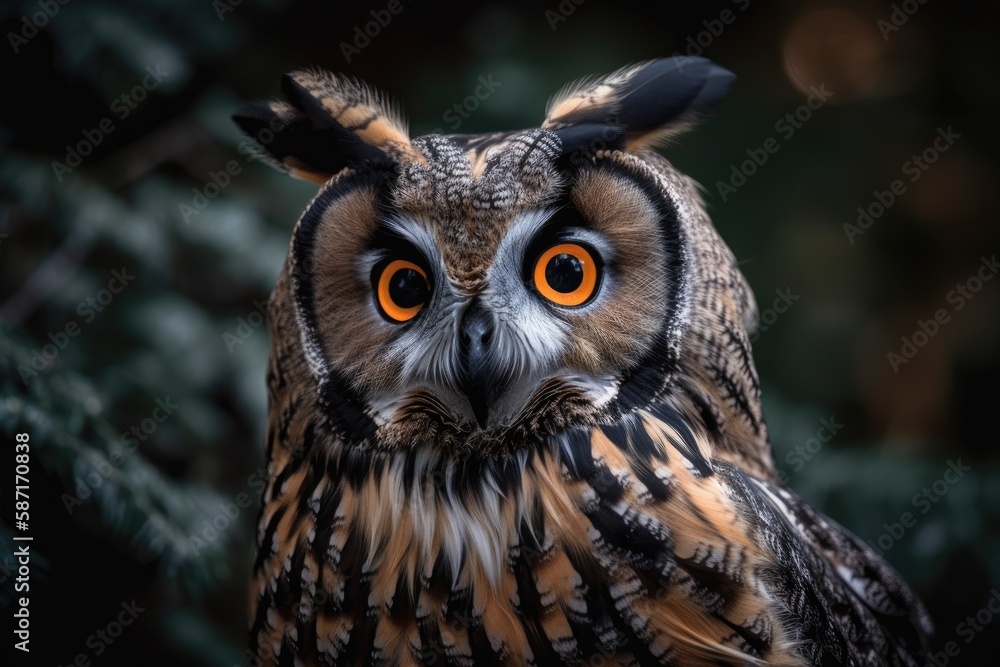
(480, 377)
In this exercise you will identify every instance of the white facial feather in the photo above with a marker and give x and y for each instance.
(529, 338)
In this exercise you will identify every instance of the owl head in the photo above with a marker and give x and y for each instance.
(488, 290)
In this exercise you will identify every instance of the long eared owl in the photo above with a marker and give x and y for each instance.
(514, 417)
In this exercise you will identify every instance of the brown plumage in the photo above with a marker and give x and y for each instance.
(514, 413)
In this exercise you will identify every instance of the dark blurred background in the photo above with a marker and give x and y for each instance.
(136, 242)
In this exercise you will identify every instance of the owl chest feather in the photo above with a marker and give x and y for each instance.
(610, 542)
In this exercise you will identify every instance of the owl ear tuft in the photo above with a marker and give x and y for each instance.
(328, 123)
(642, 105)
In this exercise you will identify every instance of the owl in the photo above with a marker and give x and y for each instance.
(514, 415)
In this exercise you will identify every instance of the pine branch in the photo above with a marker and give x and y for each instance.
(129, 501)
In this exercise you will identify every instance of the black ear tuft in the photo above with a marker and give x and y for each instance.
(582, 139)
(650, 101)
(665, 91)
(284, 139)
(329, 123)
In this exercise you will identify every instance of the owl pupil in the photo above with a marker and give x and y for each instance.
(408, 288)
(564, 273)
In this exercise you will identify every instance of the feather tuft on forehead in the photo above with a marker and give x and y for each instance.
(514, 414)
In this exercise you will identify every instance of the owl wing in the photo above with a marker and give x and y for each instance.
(873, 608)
(751, 569)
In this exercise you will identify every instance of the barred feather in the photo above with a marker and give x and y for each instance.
(620, 502)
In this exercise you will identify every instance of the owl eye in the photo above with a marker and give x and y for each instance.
(566, 274)
(401, 289)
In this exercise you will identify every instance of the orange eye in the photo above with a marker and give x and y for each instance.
(402, 289)
(566, 274)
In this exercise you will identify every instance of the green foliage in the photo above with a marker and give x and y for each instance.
(114, 491)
